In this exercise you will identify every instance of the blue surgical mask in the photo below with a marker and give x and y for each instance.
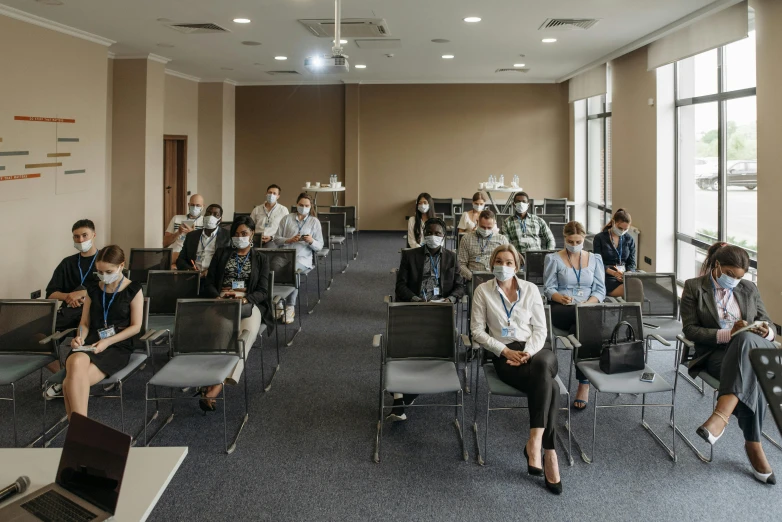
(240, 242)
(575, 249)
(728, 282)
(521, 208)
(304, 211)
(503, 273)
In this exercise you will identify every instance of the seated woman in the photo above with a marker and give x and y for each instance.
(424, 211)
(469, 221)
(508, 320)
(111, 316)
(617, 249)
(300, 231)
(714, 307)
(239, 272)
(573, 276)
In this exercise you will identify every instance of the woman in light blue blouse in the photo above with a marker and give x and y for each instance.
(573, 276)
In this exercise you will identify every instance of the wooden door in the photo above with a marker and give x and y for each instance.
(174, 177)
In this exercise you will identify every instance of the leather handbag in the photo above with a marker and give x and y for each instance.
(622, 356)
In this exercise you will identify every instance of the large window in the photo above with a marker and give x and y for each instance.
(716, 175)
(598, 162)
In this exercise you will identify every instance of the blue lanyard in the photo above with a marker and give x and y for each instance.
(508, 313)
(621, 242)
(484, 246)
(105, 309)
(82, 274)
(434, 261)
(724, 303)
(302, 223)
(523, 225)
(578, 273)
(239, 267)
(269, 215)
(203, 246)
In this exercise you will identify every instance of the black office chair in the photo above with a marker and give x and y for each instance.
(239, 214)
(142, 260)
(558, 230)
(351, 225)
(556, 206)
(553, 218)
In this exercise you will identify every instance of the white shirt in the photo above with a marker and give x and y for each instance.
(290, 227)
(173, 226)
(268, 221)
(411, 242)
(206, 249)
(528, 317)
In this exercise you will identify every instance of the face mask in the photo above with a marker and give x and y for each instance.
(483, 232)
(303, 210)
(271, 198)
(575, 249)
(478, 208)
(194, 211)
(618, 231)
(503, 273)
(83, 247)
(110, 278)
(240, 242)
(423, 209)
(522, 208)
(434, 241)
(211, 222)
(728, 282)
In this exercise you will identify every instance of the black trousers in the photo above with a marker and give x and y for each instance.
(564, 318)
(536, 378)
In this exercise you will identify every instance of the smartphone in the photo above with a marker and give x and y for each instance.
(189, 223)
(647, 377)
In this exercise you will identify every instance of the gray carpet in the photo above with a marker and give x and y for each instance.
(306, 452)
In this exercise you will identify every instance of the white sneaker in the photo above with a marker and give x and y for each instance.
(54, 391)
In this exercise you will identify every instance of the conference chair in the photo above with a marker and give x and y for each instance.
(556, 206)
(558, 230)
(206, 346)
(351, 225)
(322, 255)
(138, 359)
(553, 218)
(271, 302)
(595, 323)
(164, 288)
(282, 262)
(338, 232)
(28, 342)
(418, 356)
(501, 218)
(237, 215)
(142, 260)
(466, 205)
(478, 278)
(534, 263)
(496, 387)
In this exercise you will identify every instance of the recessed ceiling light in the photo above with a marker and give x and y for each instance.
(447, 57)
(281, 58)
(549, 40)
(518, 65)
(165, 45)
(361, 66)
(472, 19)
(440, 40)
(250, 42)
(342, 42)
(241, 20)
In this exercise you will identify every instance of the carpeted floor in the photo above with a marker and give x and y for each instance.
(306, 451)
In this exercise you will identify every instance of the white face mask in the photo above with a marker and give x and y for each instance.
(522, 208)
(211, 222)
(575, 249)
(434, 241)
(240, 242)
(483, 232)
(271, 198)
(618, 231)
(112, 277)
(194, 211)
(423, 209)
(478, 208)
(303, 210)
(83, 246)
(503, 273)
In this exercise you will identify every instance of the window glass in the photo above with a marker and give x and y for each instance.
(742, 174)
(740, 64)
(698, 75)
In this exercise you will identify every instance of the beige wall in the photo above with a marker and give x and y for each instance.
(228, 149)
(48, 74)
(287, 135)
(181, 119)
(216, 144)
(154, 223)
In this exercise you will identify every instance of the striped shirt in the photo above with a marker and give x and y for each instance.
(475, 252)
(530, 233)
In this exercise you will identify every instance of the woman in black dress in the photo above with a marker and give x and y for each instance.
(617, 249)
(112, 316)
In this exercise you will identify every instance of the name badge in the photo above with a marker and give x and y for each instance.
(579, 292)
(237, 285)
(199, 257)
(620, 269)
(509, 331)
(182, 237)
(436, 291)
(107, 332)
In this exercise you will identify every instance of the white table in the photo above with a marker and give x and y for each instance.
(315, 190)
(147, 474)
(510, 191)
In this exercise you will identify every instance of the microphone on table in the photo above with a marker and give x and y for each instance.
(20, 486)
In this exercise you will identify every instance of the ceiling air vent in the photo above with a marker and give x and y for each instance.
(568, 23)
(198, 28)
(351, 27)
(511, 70)
(283, 73)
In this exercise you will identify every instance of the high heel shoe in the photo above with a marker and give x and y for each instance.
(206, 404)
(763, 478)
(555, 488)
(532, 470)
(706, 434)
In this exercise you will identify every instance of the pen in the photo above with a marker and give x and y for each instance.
(194, 265)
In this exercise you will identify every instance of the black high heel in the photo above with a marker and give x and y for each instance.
(532, 470)
(554, 488)
(205, 403)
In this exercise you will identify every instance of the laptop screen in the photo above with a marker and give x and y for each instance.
(93, 462)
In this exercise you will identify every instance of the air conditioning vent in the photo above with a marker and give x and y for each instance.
(568, 23)
(351, 27)
(511, 70)
(198, 28)
(283, 73)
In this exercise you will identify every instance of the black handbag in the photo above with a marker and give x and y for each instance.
(622, 356)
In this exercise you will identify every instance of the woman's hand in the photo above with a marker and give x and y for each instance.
(294, 239)
(562, 299)
(101, 345)
(307, 239)
(738, 325)
(515, 358)
(761, 330)
(77, 342)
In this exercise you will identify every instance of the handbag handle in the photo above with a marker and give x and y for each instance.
(630, 332)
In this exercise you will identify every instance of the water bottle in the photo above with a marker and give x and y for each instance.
(502, 180)
(515, 181)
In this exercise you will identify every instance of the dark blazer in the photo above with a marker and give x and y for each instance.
(700, 319)
(410, 275)
(603, 245)
(190, 247)
(257, 289)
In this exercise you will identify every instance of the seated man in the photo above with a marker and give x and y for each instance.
(525, 230)
(475, 247)
(200, 245)
(70, 282)
(181, 225)
(267, 217)
(427, 273)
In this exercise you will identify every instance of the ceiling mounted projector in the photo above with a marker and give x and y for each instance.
(327, 64)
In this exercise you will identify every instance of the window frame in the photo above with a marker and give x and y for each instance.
(603, 115)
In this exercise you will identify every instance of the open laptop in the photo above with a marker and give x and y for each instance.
(88, 478)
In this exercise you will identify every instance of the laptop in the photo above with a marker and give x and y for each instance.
(88, 481)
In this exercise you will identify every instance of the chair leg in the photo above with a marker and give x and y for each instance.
(465, 454)
(13, 406)
(594, 427)
(168, 420)
(121, 408)
(379, 432)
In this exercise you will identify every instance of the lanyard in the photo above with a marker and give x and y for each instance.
(724, 303)
(203, 246)
(302, 223)
(485, 245)
(106, 309)
(619, 251)
(239, 267)
(269, 214)
(82, 274)
(508, 313)
(578, 273)
(523, 225)
(434, 262)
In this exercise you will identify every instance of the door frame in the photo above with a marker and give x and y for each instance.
(181, 196)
